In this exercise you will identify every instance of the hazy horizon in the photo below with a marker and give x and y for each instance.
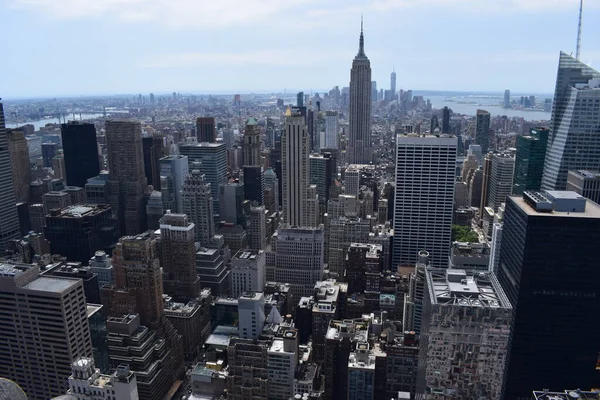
(73, 48)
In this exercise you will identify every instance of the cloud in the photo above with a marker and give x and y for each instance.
(272, 58)
(210, 14)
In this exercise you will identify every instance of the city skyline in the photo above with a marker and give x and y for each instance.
(172, 53)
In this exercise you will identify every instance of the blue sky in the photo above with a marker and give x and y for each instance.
(72, 47)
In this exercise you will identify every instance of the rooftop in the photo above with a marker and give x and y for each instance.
(455, 287)
(586, 174)
(54, 285)
(566, 395)
(540, 205)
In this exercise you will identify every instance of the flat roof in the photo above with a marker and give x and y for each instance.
(51, 284)
(592, 210)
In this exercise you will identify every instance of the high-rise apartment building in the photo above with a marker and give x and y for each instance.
(529, 160)
(425, 176)
(332, 130)
(297, 258)
(248, 374)
(456, 303)
(77, 232)
(213, 165)
(49, 150)
(153, 152)
(178, 257)
(9, 219)
(507, 98)
(585, 183)
(212, 268)
(482, 130)
(282, 360)
(363, 267)
(197, 202)
(295, 144)
(19, 160)
(359, 140)
(101, 265)
(253, 171)
(551, 289)
(80, 149)
(257, 228)
(154, 210)
(501, 180)
(127, 182)
(45, 329)
(574, 141)
(206, 129)
(173, 171)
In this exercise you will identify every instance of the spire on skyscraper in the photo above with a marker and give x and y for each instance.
(361, 42)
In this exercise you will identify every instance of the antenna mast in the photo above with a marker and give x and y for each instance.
(578, 51)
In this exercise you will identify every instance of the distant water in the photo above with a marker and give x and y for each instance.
(43, 122)
(469, 105)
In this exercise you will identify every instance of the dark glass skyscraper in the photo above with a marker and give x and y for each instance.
(549, 271)
(482, 130)
(446, 120)
(529, 160)
(206, 129)
(153, 152)
(80, 150)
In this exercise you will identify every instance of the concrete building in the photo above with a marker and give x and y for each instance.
(101, 265)
(352, 179)
(77, 232)
(127, 182)
(471, 257)
(321, 172)
(213, 165)
(248, 374)
(87, 383)
(332, 130)
(551, 288)
(45, 329)
(295, 145)
(456, 303)
(155, 360)
(402, 364)
(58, 165)
(430, 185)
(359, 139)
(585, 183)
(154, 210)
(212, 269)
(178, 257)
(271, 188)
(234, 236)
(257, 228)
(363, 267)
(251, 312)
(501, 180)
(173, 172)
(413, 300)
(198, 204)
(292, 248)
(328, 303)
(253, 170)
(341, 232)
(247, 272)
(231, 200)
(80, 150)
(49, 150)
(19, 161)
(282, 359)
(55, 200)
(573, 141)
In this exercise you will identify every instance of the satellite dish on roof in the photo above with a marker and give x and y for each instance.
(9, 390)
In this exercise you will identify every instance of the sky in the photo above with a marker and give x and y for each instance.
(98, 47)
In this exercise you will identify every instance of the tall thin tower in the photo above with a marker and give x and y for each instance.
(359, 143)
(295, 146)
(578, 51)
(9, 219)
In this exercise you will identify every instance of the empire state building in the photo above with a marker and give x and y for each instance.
(359, 141)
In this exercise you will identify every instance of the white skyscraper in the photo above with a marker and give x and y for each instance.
(359, 141)
(247, 272)
(331, 130)
(251, 314)
(425, 176)
(295, 150)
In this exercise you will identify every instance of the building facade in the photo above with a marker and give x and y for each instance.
(9, 218)
(295, 144)
(80, 151)
(529, 160)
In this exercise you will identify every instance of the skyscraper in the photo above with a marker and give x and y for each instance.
(507, 98)
(127, 182)
(153, 151)
(585, 183)
(44, 329)
(253, 176)
(295, 144)
(9, 219)
(206, 129)
(482, 130)
(178, 257)
(80, 152)
(529, 160)
(173, 171)
(213, 165)
(551, 289)
(331, 130)
(49, 150)
(501, 180)
(19, 160)
(359, 140)
(446, 120)
(393, 84)
(198, 206)
(574, 140)
(425, 176)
